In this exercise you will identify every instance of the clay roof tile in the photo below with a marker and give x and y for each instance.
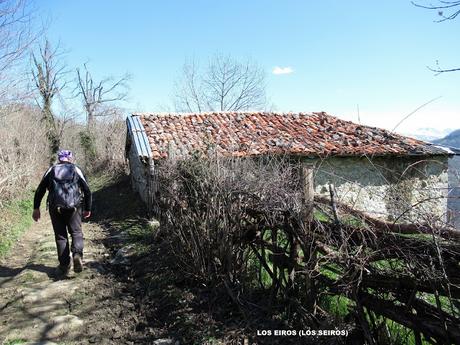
(254, 133)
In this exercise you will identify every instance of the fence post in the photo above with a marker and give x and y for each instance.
(308, 191)
(306, 182)
(309, 250)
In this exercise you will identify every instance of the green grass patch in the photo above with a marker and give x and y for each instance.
(136, 232)
(320, 216)
(336, 305)
(331, 271)
(139, 232)
(117, 207)
(15, 342)
(264, 275)
(353, 221)
(28, 277)
(47, 248)
(345, 219)
(443, 300)
(100, 181)
(394, 333)
(393, 265)
(15, 218)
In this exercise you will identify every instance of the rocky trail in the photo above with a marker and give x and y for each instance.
(96, 306)
(126, 294)
(38, 307)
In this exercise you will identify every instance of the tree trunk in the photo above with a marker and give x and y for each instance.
(51, 131)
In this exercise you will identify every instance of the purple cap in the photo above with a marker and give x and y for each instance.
(65, 156)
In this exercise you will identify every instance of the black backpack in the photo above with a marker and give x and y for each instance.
(64, 190)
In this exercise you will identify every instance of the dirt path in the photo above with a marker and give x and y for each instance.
(37, 308)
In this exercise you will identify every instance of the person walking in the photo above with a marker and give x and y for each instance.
(65, 183)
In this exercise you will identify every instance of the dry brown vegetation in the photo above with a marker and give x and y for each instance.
(21, 151)
(244, 228)
(36, 118)
(100, 149)
(24, 149)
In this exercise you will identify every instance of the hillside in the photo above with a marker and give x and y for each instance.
(428, 134)
(451, 140)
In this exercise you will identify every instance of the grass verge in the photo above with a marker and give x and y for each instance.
(15, 218)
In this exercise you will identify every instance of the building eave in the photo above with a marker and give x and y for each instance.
(139, 137)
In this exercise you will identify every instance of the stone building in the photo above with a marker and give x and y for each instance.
(371, 169)
(453, 199)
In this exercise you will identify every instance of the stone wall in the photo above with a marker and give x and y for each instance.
(406, 189)
(403, 189)
(453, 202)
(139, 172)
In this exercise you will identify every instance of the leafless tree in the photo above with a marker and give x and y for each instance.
(225, 85)
(48, 73)
(15, 38)
(453, 10)
(99, 99)
(99, 96)
(188, 93)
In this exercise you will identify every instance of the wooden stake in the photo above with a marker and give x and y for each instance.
(307, 185)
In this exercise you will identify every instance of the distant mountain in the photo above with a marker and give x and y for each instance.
(452, 140)
(429, 134)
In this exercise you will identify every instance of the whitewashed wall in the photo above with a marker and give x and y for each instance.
(406, 189)
(138, 172)
(388, 187)
(453, 202)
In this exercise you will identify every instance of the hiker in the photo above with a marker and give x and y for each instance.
(65, 183)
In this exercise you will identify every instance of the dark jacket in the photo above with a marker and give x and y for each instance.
(46, 184)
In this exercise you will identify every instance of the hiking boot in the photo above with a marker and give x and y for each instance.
(62, 271)
(77, 263)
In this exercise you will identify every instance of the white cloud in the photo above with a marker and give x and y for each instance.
(282, 70)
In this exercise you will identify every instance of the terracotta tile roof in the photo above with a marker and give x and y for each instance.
(255, 133)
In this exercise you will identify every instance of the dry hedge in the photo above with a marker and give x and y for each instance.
(238, 224)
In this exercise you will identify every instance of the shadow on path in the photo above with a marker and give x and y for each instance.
(8, 272)
(92, 307)
(116, 202)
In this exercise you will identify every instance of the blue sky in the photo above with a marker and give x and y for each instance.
(343, 54)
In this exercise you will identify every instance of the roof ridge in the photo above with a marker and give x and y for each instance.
(320, 113)
(227, 112)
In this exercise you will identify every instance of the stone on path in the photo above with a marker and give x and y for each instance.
(64, 324)
(48, 291)
(165, 341)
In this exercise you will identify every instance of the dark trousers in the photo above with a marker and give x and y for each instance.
(64, 222)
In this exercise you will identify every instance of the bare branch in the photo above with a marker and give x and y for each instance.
(443, 5)
(48, 71)
(226, 85)
(16, 37)
(438, 70)
(95, 94)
